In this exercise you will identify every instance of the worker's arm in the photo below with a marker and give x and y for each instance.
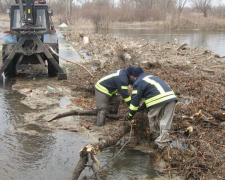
(137, 94)
(122, 84)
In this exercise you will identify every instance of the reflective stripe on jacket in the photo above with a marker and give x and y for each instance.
(114, 82)
(154, 91)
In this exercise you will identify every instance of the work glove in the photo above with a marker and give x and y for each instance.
(142, 107)
(128, 118)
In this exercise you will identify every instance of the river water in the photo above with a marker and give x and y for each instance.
(208, 40)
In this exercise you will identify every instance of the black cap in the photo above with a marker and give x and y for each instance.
(137, 71)
(130, 70)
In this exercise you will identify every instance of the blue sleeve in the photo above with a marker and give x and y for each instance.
(137, 94)
(122, 84)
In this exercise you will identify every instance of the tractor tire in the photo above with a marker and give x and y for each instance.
(10, 71)
(52, 71)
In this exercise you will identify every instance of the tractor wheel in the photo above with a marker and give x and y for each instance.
(52, 71)
(10, 71)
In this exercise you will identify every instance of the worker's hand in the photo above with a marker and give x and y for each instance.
(128, 103)
(128, 118)
(142, 107)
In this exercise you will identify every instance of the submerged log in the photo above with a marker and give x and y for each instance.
(123, 128)
(85, 113)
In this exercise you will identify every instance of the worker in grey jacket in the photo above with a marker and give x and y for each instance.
(160, 101)
(107, 89)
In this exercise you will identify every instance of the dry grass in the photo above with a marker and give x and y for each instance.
(194, 21)
(79, 23)
(4, 17)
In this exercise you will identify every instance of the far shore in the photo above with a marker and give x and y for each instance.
(194, 22)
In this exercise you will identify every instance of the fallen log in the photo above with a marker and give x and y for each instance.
(182, 47)
(91, 150)
(85, 113)
(219, 115)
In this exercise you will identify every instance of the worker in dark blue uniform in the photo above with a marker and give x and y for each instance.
(160, 101)
(107, 89)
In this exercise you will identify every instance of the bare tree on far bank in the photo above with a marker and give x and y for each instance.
(4, 4)
(180, 6)
(202, 5)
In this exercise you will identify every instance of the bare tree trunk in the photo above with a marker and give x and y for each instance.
(85, 113)
(1, 8)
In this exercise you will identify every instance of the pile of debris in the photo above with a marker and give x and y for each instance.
(196, 76)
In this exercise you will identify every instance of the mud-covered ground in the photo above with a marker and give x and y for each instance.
(198, 79)
(196, 76)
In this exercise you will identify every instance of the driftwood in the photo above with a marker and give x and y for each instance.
(89, 151)
(182, 47)
(219, 115)
(85, 113)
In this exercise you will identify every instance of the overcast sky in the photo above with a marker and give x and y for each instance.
(214, 2)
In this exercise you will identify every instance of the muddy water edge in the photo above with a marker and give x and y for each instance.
(32, 148)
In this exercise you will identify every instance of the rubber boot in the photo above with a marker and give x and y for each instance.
(100, 121)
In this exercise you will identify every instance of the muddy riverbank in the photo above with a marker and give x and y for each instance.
(196, 76)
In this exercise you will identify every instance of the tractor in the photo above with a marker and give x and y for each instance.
(28, 43)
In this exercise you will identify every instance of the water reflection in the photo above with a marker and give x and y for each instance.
(210, 40)
(67, 51)
(30, 152)
(18, 151)
(129, 164)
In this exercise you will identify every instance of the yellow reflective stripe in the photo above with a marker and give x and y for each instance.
(133, 108)
(134, 92)
(163, 96)
(160, 100)
(127, 99)
(102, 89)
(159, 96)
(156, 84)
(114, 92)
(130, 114)
(109, 76)
(124, 87)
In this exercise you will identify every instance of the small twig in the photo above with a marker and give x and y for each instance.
(169, 173)
(72, 62)
(82, 57)
(169, 169)
(168, 150)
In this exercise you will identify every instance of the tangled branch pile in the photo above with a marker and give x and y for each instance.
(196, 76)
